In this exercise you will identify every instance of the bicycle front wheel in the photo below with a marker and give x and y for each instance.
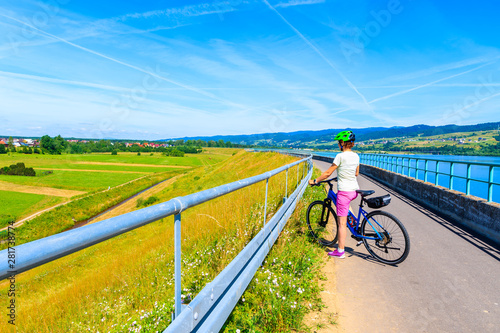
(322, 223)
(388, 239)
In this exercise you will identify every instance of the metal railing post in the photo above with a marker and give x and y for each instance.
(416, 168)
(490, 185)
(286, 187)
(177, 242)
(469, 170)
(437, 173)
(298, 175)
(452, 170)
(265, 205)
(426, 170)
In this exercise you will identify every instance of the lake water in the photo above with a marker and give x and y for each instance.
(478, 172)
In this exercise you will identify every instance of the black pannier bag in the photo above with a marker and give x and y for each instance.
(379, 202)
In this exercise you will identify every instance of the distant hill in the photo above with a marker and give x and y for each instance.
(280, 138)
(304, 139)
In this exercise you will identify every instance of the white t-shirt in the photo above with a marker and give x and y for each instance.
(347, 163)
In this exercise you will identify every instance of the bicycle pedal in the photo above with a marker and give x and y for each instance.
(359, 243)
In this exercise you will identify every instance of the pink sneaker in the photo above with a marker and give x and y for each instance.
(337, 254)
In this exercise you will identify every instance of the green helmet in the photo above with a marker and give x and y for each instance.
(345, 136)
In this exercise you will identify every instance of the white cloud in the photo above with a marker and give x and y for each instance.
(298, 3)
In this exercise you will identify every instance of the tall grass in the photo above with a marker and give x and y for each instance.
(286, 287)
(126, 283)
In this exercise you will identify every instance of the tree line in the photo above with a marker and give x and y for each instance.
(58, 145)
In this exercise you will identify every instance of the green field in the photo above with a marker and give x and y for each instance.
(21, 204)
(90, 173)
(71, 160)
(128, 280)
(74, 180)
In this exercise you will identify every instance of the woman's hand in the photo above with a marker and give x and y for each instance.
(311, 182)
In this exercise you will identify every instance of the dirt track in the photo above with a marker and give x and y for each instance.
(89, 170)
(137, 165)
(6, 186)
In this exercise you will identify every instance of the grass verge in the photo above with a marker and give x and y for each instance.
(126, 283)
(286, 287)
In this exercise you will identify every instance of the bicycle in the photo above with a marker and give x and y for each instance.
(383, 235)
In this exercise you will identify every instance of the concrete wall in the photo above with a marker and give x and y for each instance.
(473, 212)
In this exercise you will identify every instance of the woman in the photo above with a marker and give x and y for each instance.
(347, 165)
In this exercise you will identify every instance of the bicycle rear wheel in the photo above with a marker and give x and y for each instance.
(394, 245)
(322, 223)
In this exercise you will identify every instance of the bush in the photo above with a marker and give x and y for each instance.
(30, 172)
(148, 202)
(114, 152)
(174, 152)
(139, 154)
(18, 169)
(140, 201)
(2, 149)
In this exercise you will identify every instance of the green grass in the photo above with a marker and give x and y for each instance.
(286, 287)
(129, 278)
(64, 217)
(74, 180)
(22, 204)
(126, 283)
(212, 156)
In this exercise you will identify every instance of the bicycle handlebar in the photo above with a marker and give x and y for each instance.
(329, 181)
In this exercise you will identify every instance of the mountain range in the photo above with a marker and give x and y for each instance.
(305, 138)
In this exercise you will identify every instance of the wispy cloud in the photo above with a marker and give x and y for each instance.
(440, 68)
(298, 3)
(62, 82)
(311, 45)
(186, 11)
(427, 84)
(155, 75)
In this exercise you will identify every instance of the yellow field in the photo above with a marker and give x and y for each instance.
(113, 284)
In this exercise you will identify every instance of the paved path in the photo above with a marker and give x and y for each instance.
(450, 282)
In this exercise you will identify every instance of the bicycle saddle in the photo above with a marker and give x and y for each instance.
(365, 193)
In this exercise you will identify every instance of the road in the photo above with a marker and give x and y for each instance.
(450, 281)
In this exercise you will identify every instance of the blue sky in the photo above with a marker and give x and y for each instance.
(163, 69)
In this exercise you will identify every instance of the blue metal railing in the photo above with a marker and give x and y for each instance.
(431, 170)
(227, 286)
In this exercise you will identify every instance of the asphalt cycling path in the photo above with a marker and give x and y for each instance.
(450, 281)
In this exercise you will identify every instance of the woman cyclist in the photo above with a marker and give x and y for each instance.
(347, 165)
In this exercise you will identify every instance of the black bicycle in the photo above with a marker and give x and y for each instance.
(383, 235)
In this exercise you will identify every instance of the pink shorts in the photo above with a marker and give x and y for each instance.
(344, 198)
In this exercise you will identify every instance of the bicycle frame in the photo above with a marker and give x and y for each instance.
(354, 228)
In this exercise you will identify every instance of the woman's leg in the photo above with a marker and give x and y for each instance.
(342, 230)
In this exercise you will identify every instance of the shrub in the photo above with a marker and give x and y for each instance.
(140, 201)
(18, 169)
(139, 154)
(114, 152)
(149, 201)
(2, 149)
(30, 172)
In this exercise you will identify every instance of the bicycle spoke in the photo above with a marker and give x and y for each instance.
(392, 244)
(322, 223)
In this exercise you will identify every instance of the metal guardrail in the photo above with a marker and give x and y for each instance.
(224, 289)
(414, 166)
(210, 308)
